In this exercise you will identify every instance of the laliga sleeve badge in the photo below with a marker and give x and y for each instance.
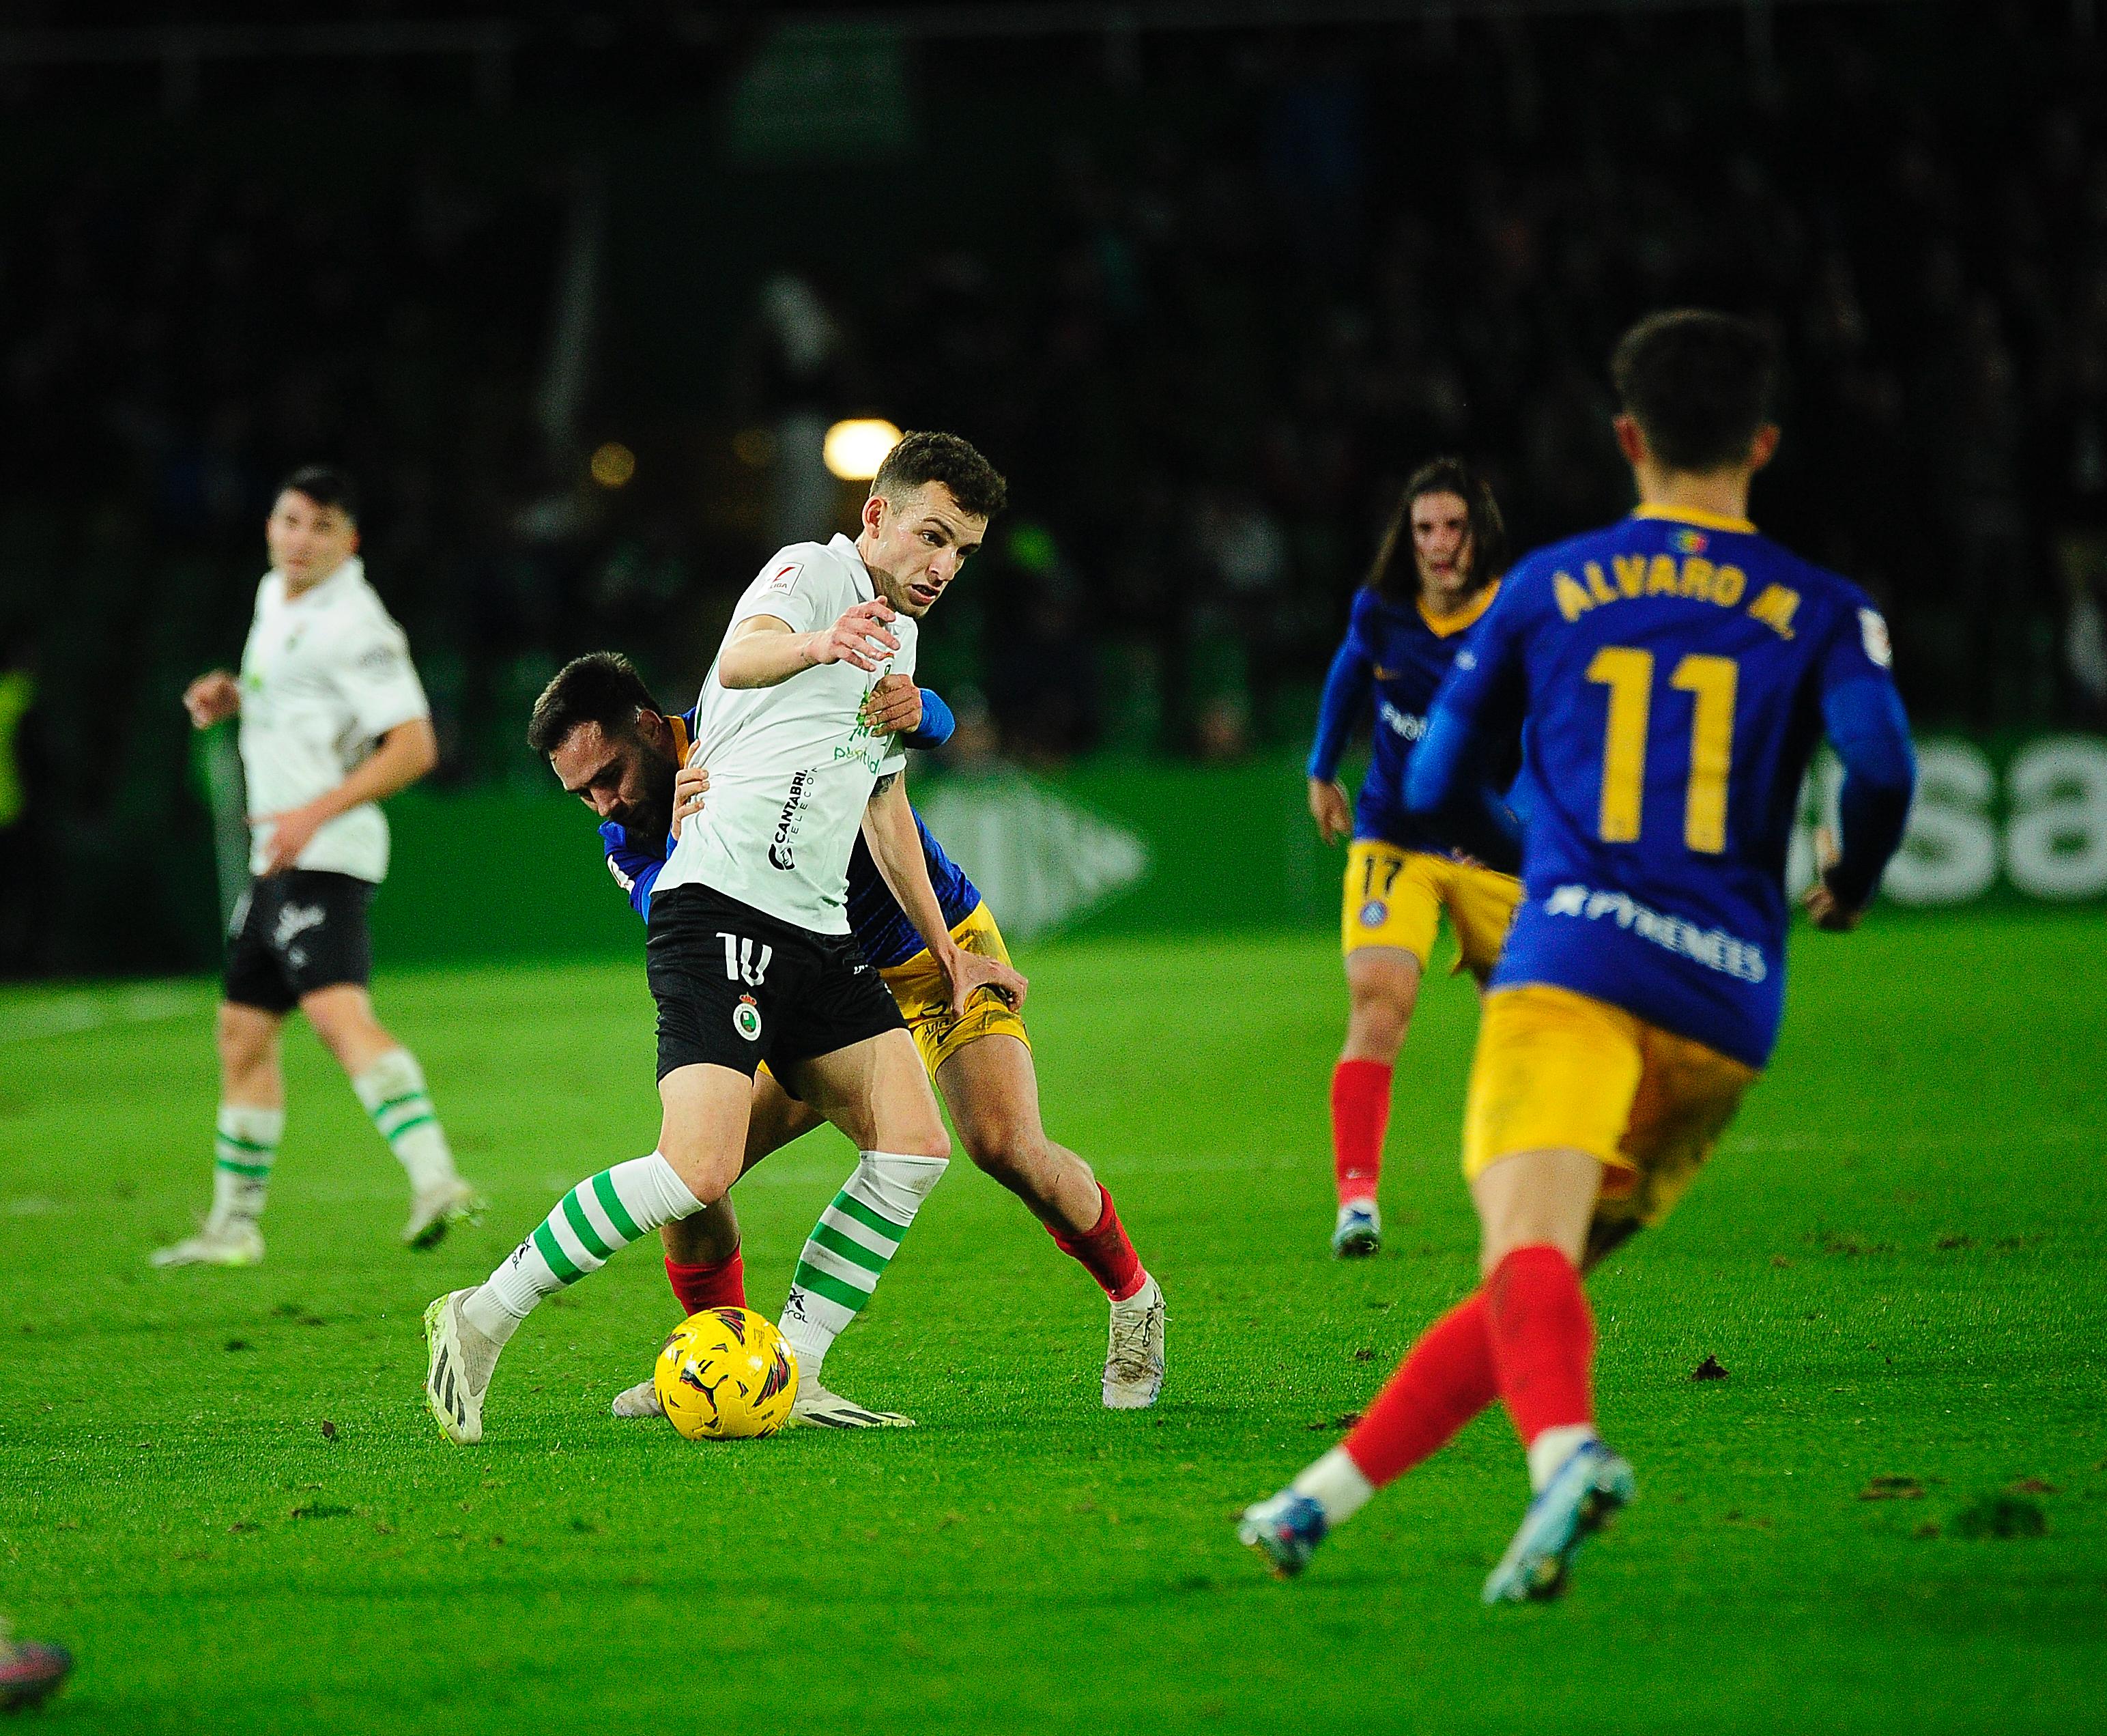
(746, 1019)
(1873, 633)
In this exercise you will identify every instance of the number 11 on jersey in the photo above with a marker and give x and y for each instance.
(1628, 673)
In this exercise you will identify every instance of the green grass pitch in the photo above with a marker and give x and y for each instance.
(1897, 1259)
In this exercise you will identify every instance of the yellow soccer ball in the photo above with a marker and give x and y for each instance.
(726, 1374)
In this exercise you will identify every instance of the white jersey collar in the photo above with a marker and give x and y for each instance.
(349, 573)
(847, 549)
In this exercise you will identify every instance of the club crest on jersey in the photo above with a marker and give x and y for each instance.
(1374, 914)
(746, 1019)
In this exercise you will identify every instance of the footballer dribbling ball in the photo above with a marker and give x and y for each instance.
(726, 1374)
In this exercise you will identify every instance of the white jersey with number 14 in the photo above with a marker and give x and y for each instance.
(791, 766)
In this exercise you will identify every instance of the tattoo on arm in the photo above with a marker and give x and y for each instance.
(883, 783)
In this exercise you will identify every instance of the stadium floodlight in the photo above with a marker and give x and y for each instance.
(855, 447)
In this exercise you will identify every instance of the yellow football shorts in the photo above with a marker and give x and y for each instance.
(1557, 1069)
(925, 998)
(1393, 897)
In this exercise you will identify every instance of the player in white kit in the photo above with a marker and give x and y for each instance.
(333, 718)
(750, 956)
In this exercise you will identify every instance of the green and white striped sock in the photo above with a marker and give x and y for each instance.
(850, 1247)
(601, 1214)
(245, 1145)
(393, 1090)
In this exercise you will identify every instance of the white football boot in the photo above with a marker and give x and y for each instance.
(457, 1377)
(1358, 1232)
(1134, 1357)
(436, 1209)
(236, 1242)
(639, 1400)
(817, 1408)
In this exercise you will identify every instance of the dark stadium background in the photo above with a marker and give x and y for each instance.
(1206, 281)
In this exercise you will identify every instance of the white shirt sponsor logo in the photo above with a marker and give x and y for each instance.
(792, 766)
(324, 675)
(1714, 948)
(1402, 723)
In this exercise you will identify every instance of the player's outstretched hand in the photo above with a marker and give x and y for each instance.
(211, 698)
(1331, 810)
(1823, 907)
(860, 638)
(970, 973)
(690, 784)
(894, 706)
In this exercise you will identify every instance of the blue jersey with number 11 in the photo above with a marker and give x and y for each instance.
(1674, 673)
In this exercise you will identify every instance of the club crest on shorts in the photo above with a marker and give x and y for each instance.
(746, 1019)
(1374, 914)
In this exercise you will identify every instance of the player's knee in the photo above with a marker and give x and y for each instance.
(1007, 1147)
(243, 1036)
(924, 1140)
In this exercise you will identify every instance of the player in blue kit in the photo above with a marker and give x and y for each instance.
(609, 744)
(1435, 572)
(1672, 674)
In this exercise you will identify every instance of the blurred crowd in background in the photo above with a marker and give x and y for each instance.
(1206, 297)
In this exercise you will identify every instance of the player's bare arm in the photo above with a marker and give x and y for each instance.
(896, 846)
(406, 753)
(213, 698)
(764, 649)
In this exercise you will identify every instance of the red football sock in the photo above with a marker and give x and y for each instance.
(700, 1286)
(1105, 1252)
(1543, 1338)
(1360, 1115)
(1444, 1380)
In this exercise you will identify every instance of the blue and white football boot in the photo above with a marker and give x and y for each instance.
(1583, 1496)
(1286, 1528)
(1358, 1233)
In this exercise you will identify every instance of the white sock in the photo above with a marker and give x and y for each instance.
(1552, 1448)
(850, 1247)
(606, 1212)
(393, 1090)
(245, 1146)
(1337, 1485)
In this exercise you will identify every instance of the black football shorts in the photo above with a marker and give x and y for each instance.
(297, 932)
(736, 988)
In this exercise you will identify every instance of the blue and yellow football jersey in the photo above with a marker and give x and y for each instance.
(1672, 674)
(1399, 655)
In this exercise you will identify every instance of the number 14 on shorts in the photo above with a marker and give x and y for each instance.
(741, 966)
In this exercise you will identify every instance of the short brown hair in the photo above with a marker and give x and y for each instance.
(601, 687)
(1699, 383)
(1489, 530)
(920, 459)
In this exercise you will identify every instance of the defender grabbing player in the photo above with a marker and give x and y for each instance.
(610, 746)
(750, 956)
(1403, 870)
(333, 718)
(1672, 674)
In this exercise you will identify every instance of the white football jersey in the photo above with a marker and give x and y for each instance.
(324, 676)
(792, 766)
